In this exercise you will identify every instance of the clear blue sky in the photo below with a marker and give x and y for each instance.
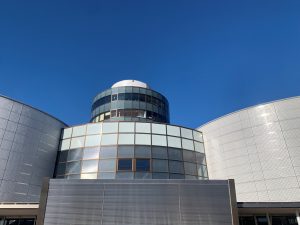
(208, 58)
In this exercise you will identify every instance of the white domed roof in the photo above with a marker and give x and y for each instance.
(130, 83)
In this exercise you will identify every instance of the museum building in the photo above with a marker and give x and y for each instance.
(129, 165)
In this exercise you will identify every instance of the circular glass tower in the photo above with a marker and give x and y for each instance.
(130, 100)
(130, 137)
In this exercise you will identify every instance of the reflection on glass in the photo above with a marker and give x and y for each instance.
(107, 175)
(190, 168)
(77, 142)
(110, 127)
(91, 153)
(89, 166)
(125, 151)
(189, 156)
(159, 152)
(93, 128)
(160, 165)
(73, 167)
(158, 128)
(108, 152)
(174, 142)
(107, 165)
(176, 167)
(199, 147)
(124, 175)
(143, 139)
(74, 154)
(65, 144)
(187, 144)
(126, 139)
(93, 140)
(88, 176)
(142, 151)
(186, 133)
(78, 131)
(175, 154)
(142, 175)
(126, 127)
(173, 130)
(142, 127)
(109, 139)
(159, 140)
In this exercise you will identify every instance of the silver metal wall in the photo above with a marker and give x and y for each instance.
(259, 147)
(134, 202)
(29, 141)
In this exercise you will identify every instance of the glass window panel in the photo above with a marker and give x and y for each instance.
(107, 175)
(73, 176)
(142, 175)
(198, 136)
(202, 171)
(190, 177)
(126, 139)
(74, 154)
(261, 220)
(126, 152)
(91, 153)
(61, 169)
(94, 128)
(124, 165)
(108, 152)
(65, 144)
(63, 156)
(176, 176)
(158, 128)
(78, 131)
(107, 165)
(159, 152)
(142, 127)
(190, 168)
(89, 166)
(110, 128)
(73, 167)
(200, 158)
(160, 175)
(246, 220)
(159, 140)
(124, 175)
(176, 167)
(199, 147)
(93, 140)
(160, 165)
(189, 156)
(88, 176)
(186, 133)
(142, 151)
(175, 154)
(187, 144)
(173, 130)
(142, 164)
(126, 127)
(114, 97)
(143, 139)
(67, 133)
(77, 142)
(174, 142)
(109, 139)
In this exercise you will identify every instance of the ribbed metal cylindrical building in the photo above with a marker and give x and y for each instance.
(29, 140)
(259, 147)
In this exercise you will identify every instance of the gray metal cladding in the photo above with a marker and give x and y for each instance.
(259, 147)
(29, 141)
(132, 202)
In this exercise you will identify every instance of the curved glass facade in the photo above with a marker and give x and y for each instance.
(29, 140)
(131, 150)
(130, 104)
(259, 147)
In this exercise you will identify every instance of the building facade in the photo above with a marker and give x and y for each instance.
(258, 147)
(29, 140)
(129, 165)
